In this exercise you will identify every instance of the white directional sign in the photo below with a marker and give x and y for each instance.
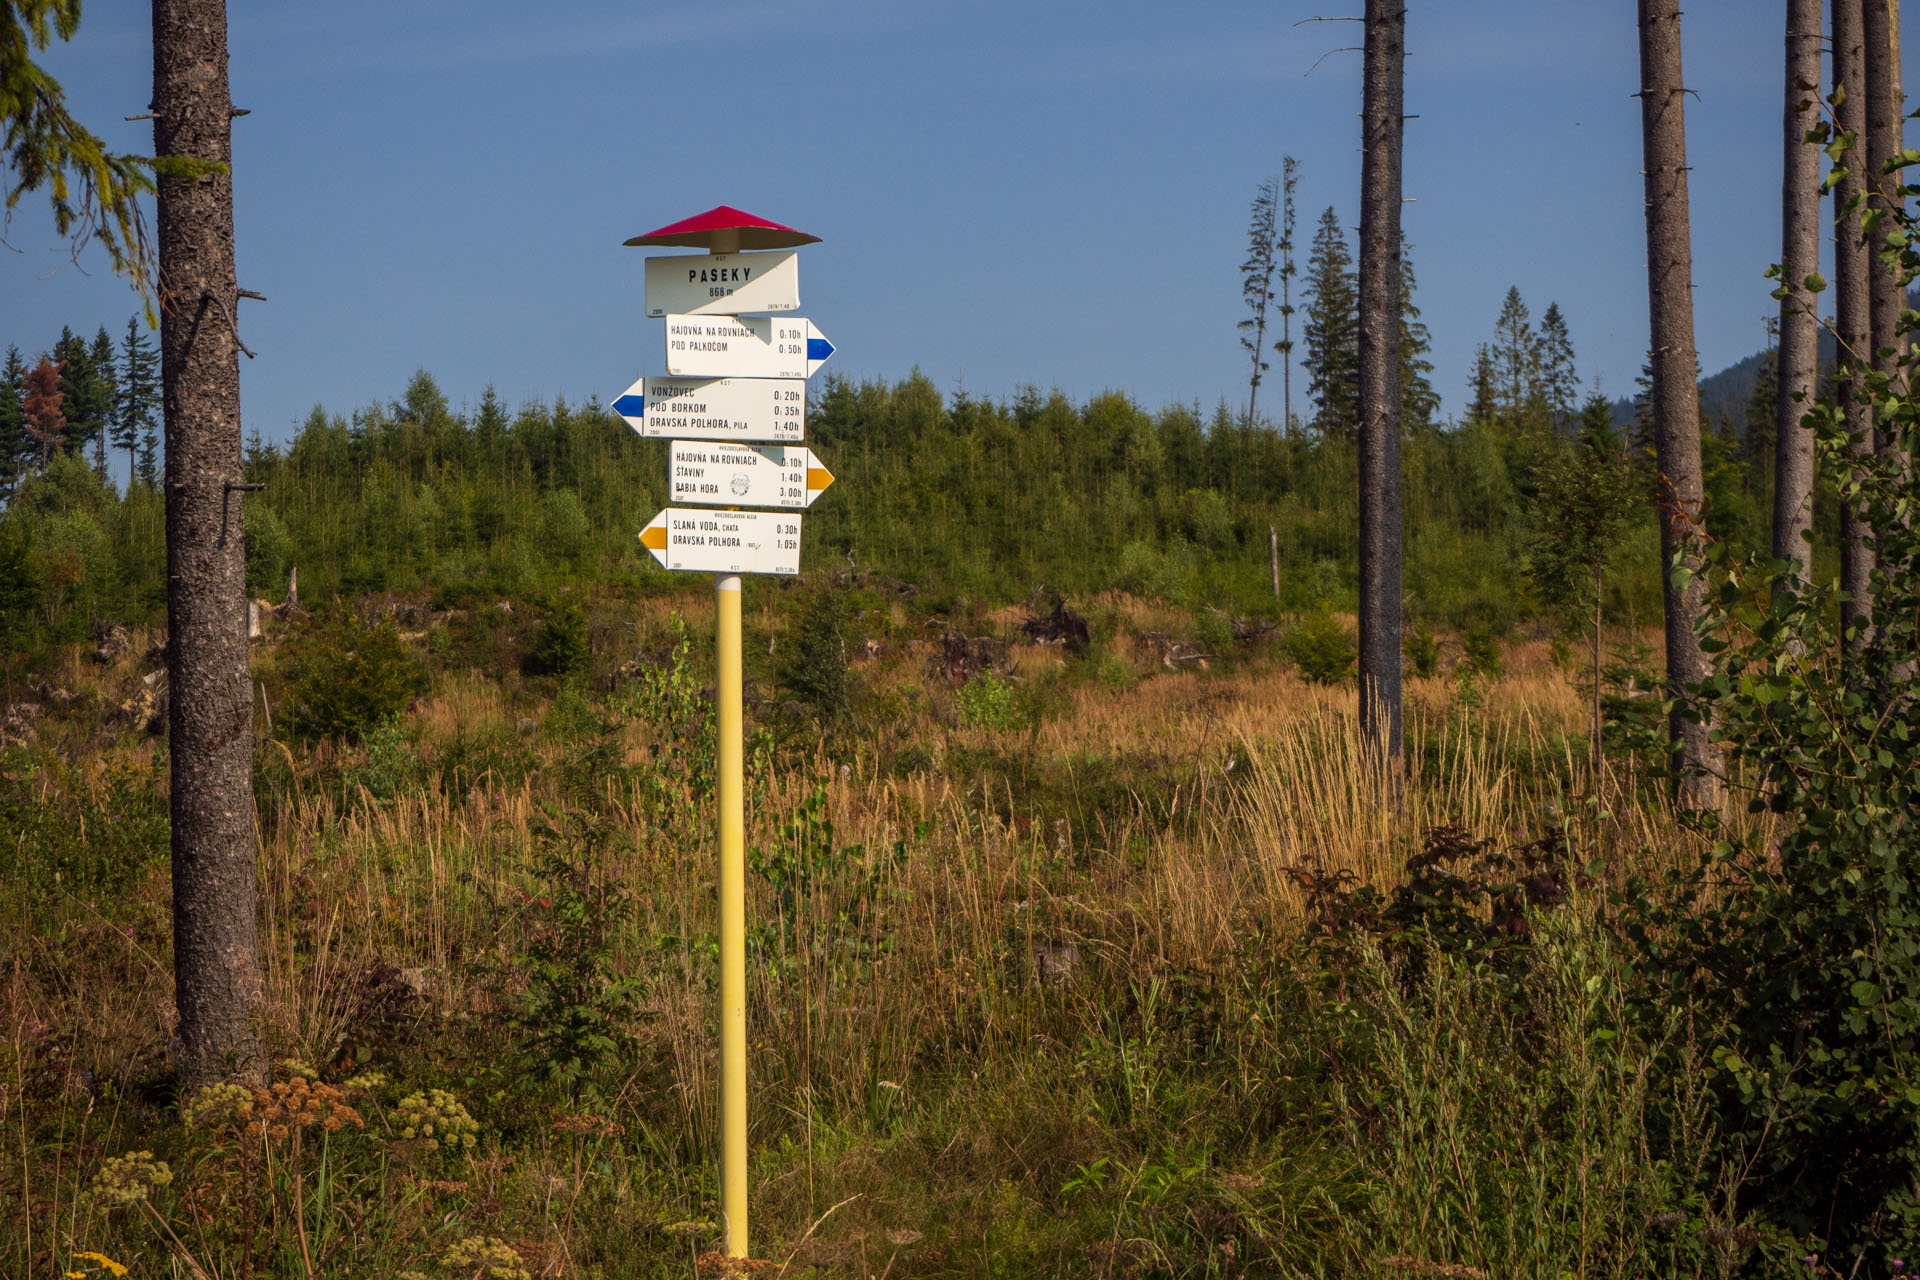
(725, 541)
(741, 475)
(772, 409)
(723, 283)
(744, 347)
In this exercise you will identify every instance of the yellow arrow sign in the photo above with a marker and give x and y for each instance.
(715, 541)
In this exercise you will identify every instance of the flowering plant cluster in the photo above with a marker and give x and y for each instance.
(435, 1119)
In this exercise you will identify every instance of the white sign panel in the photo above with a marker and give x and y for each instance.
(773, 409)
(723, 284)
(744, 347)
(725, 541)
(740, 475)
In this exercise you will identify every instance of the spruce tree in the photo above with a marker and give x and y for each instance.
(1516, 354)
(87, 393)
(102, 392)
(1559, 382)
(1587, 495)
(13, 434)
(1483, 389)
(490, 427)
(1419, 402)
(136, 397)
(70, 354)
(1332, 332)
(147, 467)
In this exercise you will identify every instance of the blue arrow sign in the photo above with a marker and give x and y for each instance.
(770, 410)
(818, 350)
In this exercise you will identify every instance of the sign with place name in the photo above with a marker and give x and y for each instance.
(723, 284)
(741, 475)
(725, 541)
(744, 347)
(773, 409)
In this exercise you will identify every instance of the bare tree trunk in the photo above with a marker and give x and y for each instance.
(1675, 394)
(1380, 535)
(1599, 760)
(1800, 258)
(1287, 178)
(1273, 558)
(1883, 143)
(216, 944)
(1853, 308)
(1286, 379)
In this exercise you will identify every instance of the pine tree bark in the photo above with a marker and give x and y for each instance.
(1853, 306)
(1800, 258)
(1674, 397)
(1380, 534)
(217, 986)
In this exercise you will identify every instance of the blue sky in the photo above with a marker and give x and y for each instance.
(1008, 192)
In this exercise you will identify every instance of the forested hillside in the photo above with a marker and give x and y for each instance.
(989, 499)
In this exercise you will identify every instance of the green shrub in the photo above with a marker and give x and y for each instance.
(64, 833)
(578, 1006)
(565, 530)
(269, 551)
(1213, 632)
(1156, 569)
(392, 764)
(348, 676)
(560, 645)
(1423, 651)
(988, 701)
(1796, 944)
(1113, 669)
(1482, 646)
(815, 667)
(1321, 648)
(1481, 1016)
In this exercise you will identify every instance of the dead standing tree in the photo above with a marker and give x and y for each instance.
(1384, 58)
(1675, 397)
(1853, 309)
(1383, 61)
(216, 947)
(1881, 35)
(1799, 258)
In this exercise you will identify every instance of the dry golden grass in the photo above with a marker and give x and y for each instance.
(925, 935)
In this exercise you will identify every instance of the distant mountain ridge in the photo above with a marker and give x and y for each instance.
(1725, 394)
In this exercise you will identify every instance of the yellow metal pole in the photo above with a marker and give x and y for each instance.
(733, 922)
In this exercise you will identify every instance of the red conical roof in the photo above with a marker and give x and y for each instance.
(697, 232)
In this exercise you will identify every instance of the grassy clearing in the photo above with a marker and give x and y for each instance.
(1029, 993)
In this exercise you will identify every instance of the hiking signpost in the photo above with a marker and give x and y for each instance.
(734, 404)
